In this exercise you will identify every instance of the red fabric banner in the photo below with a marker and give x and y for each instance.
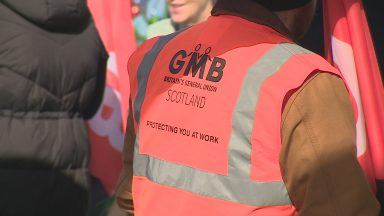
(114, 22)
(348, 46)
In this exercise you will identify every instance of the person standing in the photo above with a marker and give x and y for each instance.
(231, 117)
(52, 74)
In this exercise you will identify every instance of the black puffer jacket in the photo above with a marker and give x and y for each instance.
(52, 72)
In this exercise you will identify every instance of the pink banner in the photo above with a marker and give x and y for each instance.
(349, 47)
(114, 22)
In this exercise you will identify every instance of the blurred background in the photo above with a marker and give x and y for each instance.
(147, 12)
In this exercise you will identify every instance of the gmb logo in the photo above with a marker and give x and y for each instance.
(197, 64)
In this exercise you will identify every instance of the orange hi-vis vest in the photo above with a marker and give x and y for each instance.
(207, 105)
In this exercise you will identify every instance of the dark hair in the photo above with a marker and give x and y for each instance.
(281, 5)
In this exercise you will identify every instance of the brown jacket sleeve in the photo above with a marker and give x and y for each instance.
(124, 188)
(318, 158)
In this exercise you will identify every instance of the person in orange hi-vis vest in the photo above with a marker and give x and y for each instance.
(231, 118)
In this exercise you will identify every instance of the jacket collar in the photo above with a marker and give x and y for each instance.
(252, 11)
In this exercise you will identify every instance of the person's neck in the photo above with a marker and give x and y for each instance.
(252, 11)
(202, 16)
(205, 13)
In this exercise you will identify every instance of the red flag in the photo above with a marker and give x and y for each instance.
(114, 22)
(349, 47)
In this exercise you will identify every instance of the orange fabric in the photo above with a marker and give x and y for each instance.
(215, 28)
(166, 201)
(265, 156)
(221, 34)
(214, 105)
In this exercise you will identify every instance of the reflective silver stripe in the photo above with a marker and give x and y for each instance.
(144, 70)
(237, 186)
(243, 114)
(240, 190)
